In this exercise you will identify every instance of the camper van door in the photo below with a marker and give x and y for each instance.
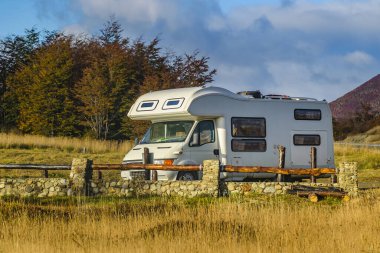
(203, 142)
(302, 141)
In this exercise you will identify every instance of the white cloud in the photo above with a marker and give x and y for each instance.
(292, 78)
(359, 58)
(134, 11)
(76, 29)
(216, 23)
(299, 47)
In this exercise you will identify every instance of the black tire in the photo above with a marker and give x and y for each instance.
(187, 176)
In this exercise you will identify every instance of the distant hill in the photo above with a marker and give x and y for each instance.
(369, 93)
(372, 136)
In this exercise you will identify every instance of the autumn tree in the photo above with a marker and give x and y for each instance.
(104, 82)
(44, 89)
(79, 85)
(15, 52)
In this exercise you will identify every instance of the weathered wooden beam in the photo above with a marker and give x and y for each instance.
(281, 162)
(316, 188)
(276, 170)
(133, 166)
(45, 173)
(146, 160)
(319, 193)
(313, 197)
(154, 175)
(136, 166)
(313, 162)
(34, 167)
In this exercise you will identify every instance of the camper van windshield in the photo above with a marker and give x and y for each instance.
(172, 131)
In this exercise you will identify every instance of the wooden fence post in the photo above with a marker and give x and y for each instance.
(313, 162)
(154, 175)
(146, 160)
(281, 162)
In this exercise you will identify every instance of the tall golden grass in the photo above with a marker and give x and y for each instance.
(371, 136)
(66, 143)
(367, 158)
(259, 224)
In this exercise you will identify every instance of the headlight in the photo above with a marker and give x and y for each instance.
(164, 162)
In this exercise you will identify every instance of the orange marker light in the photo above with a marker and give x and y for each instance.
(168, 162)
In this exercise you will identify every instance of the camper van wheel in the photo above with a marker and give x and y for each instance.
(186, 176)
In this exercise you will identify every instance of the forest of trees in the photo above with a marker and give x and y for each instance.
(56, 84)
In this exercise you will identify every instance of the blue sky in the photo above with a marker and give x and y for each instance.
(311, 48)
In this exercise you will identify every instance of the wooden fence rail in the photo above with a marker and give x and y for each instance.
(283, 171)
(34, 167)
(44, 168)
(148, 166)
(136, 166)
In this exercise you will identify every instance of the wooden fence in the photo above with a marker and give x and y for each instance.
(147, 165)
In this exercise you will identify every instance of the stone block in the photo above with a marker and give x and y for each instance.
(29, 188)
(269, 189)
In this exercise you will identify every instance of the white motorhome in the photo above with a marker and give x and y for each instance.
(190, 125)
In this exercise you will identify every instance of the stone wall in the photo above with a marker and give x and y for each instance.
(81, 183)
(245, 188)
(208, 186)
(347, 175)
(39, 187)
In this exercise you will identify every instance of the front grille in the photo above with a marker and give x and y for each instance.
(138, 175)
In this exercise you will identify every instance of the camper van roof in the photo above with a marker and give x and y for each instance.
(176, 102)
(188, 93)
(173, 102)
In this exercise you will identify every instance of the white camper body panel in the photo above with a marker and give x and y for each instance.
(220, 106)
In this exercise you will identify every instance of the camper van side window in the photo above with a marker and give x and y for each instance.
(306, 140)
(248, 127)
(249, 145)
(204, 133)
(307, 114)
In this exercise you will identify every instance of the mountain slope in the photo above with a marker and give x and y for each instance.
(368, 93)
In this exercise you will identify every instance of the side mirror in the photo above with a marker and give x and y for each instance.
(194, 139)
(136, 141)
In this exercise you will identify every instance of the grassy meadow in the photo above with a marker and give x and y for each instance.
(371, 136)
(32, 149)
(59, 150)
(255, 223)
(247, 224)
(368, 160)
(24, 149)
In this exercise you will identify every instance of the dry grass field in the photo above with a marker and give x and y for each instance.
(371, 136)
(255, 223)
(368, 160)
(32, 149)
(249, 224)
(14, 141)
